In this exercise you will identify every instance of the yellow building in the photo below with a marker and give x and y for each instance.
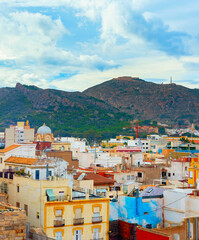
(62, 212)
(64, 146)
(125, 137)
(116, 142)
(193, 171)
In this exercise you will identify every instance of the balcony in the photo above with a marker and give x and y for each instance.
(59, 223)
(97, 219)
(78, 221)
(97, 239)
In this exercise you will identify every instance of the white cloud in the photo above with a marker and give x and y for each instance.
(133, 34)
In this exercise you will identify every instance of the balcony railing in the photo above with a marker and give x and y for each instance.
(78, 221)
(59, 223)
(97, 219)
(97, 239)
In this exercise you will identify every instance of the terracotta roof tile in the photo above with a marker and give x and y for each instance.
(21, 160)
(98, 179)
(9, 148)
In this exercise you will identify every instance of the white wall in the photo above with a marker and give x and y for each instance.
(175, 205)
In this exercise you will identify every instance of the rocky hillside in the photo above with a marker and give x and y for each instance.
(147, 100)
(71, 113)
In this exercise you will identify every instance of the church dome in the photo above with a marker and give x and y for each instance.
(44, 130)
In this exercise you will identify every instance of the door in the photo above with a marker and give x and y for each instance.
(95, 233)
(78, 235)
(37, 174)
(58, 235)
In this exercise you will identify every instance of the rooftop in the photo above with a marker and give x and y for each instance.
(98, 179)
(151, 192)
(9, 148)
(21, 160)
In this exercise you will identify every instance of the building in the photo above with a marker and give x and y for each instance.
(188, 229)
(19, 150)
(100, 183)
(44, 134)
(130, 211)
(39, 168)
(65, 155)
(21, 133)
(193, 171)
(63, 213)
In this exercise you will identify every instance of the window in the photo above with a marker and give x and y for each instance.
(96, 215)
(128, 177)
(78, 213)
(173, 174)
(37, 215)
(1, 160)
(185, 168)
(191, 174)
(139, 174)
(17, 188)
(169, 174)
(78, 235)
(132, 177)
(58, 235)
(95, 233)
(146, 143)
(17, 204)
(58, 216)
(26, 209)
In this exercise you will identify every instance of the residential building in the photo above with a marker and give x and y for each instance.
(21, 133)
(193, 172)
(63, 212)
(20, 150)
(39, 168)
(65, 155)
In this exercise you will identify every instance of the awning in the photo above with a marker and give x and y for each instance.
(101, 191)
(50, 195)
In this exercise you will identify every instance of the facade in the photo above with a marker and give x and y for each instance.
(188, 229)
(39, 168)
(21, 133)
(193, 172)
(65, 155)
(44, 134)
(62, 212)
(23, 150)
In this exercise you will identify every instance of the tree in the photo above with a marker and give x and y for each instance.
(161, 130)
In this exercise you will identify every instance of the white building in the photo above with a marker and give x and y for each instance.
(19, 150)
(40, 169)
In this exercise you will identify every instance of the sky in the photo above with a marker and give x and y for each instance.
(75, 44)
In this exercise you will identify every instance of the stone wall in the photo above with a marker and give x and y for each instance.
(12, 225)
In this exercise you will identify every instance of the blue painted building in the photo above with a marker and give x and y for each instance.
(139, 210)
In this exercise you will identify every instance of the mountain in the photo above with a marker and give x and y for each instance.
(67, 113)
(101, 111)
(147, 100)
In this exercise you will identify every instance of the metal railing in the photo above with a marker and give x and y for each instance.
(78, 221)
(97, 219)
(59, 223)
(60, 198)
(97, 239)
(90, 191)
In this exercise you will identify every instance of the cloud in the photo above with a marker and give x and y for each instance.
(45, 45)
